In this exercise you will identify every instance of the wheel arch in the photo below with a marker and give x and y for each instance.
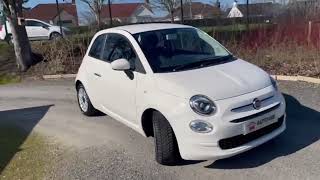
(148, 129)
(54, 32)
(146, 121)
(78, 83)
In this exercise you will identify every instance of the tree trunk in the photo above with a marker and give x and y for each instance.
(98, 20)
(21, 46)
(110, 13)
(181, 9)
(20, 40)
(172, 16)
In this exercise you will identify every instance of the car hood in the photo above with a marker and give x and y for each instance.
(217, 82)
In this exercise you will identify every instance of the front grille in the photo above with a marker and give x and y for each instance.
(239, 140)
(256, 115)
(251, 104)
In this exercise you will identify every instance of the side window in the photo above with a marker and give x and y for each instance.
(96, 48)
(29, 23)
(118, 47)
(34, 23)
(109, 47)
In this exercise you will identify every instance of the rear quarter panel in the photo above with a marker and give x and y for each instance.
(82, 74)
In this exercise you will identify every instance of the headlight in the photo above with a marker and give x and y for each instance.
(202, 105)
(200, 126)
(274, 83)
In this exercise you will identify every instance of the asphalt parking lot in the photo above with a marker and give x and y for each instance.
(102, 148)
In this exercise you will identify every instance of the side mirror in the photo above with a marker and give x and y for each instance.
(120, 65)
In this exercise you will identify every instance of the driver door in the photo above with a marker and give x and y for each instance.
(37, 30)
(118, 87)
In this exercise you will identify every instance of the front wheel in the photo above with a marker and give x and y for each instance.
(84, 102)
(55, 36)
(166, 147)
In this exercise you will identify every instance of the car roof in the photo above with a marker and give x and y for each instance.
(138, 28)
(33, 19)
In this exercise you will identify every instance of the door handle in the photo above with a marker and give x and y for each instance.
(96, 74)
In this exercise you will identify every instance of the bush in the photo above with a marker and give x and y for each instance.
(8, 67)
(78, 30)
(264, 47)
(62, 56)
(281, 58)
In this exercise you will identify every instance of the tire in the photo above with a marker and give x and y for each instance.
(55, 36)
(166, 147)
(84, 102)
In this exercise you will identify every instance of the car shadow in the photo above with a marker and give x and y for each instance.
(302, 130)
(15, 127)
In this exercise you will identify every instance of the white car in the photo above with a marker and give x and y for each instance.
(179, 85)
(36, 30)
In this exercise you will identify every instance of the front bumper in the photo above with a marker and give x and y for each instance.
(212, 151)
(196, 146)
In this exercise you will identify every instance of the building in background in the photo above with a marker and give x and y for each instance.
(128, 13)
(235, 12)
(48, 13)
(197, 10)
(268, 9)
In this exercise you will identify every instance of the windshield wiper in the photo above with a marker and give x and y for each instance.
(187, 66)
(204, 62)
(220, 58)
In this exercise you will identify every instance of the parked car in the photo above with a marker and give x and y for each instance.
(179, 85)
(36, 30)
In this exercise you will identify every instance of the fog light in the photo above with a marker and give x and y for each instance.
(200, 126)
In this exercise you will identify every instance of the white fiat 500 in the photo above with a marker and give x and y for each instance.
(179, 85)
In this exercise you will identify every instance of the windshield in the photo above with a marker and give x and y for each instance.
(179, 49)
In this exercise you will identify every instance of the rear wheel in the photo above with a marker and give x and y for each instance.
(166, 147)
(84, 102)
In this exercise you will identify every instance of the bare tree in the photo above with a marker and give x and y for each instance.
(88, 18)
(167, 5)
(190, 8)
(96, 8)
(13, 10)
(110, 12)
